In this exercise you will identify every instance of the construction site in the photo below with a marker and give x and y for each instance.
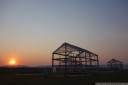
(70, 60)
(71, 65)
(114, 64)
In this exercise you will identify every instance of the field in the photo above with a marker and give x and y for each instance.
(8, 77)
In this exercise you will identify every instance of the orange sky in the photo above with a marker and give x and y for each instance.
(31, 30)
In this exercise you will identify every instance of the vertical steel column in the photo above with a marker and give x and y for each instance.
(75, 63)
(90, 60)
(65, 60)
(52, 60)
(59, 63)
(97, 62)
(52, 64)
(79, 59)
(85, 61)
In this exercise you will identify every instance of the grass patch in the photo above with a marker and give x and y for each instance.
(12, 79)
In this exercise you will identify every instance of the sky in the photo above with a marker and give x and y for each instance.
(30, 30)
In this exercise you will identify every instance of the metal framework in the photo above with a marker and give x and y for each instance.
(115, 64)
(69, 60)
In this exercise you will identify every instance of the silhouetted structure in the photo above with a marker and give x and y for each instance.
(72, 60)
(115, 64)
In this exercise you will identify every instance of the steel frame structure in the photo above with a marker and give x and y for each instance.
(70, 59)
(114, 64)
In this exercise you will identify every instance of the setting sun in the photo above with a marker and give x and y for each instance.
(12, 62)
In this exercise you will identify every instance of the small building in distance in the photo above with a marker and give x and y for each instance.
(114, 64)
(72, 60)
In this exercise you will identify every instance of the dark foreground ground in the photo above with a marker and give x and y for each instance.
(8, 77)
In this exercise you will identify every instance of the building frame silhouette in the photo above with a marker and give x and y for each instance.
(72, 60)
(114, 64)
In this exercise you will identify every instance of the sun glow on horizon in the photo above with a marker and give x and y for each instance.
(12, 62)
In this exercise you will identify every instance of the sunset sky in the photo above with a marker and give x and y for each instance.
(30, 30)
